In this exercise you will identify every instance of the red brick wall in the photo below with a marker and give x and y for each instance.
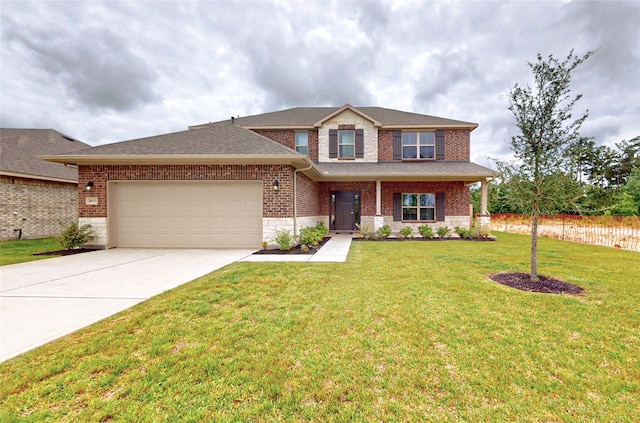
(275, 203)
(457, 145)
(456, 195)
(385, 146)
(308, 201)
(367, 195)
(287, 137)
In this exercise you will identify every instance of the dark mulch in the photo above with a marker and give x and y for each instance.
(296, 250)
(66, 252)
(546, 285)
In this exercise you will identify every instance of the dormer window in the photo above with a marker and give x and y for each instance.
(346, 144)
(418, 145)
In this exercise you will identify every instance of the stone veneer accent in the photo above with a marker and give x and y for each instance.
(47, 206)
(348, 117)
(100, 231)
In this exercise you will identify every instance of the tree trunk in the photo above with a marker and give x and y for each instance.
(534, 246)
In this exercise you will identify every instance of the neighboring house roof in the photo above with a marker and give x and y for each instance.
(311, 117)
(19, 149)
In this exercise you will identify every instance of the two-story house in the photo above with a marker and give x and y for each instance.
(232, 184)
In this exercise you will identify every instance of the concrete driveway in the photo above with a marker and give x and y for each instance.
(44, 300)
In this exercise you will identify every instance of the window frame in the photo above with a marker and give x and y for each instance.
(418, 207)
(341, 144)
(418, 144)
(306, 144)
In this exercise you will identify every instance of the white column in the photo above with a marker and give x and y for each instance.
(483, 197)
(378, 219)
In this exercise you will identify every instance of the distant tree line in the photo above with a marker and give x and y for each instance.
(598, 180)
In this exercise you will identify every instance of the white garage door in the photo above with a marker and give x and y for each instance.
(186, 214)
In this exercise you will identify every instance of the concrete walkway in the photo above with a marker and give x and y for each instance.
(43, 300)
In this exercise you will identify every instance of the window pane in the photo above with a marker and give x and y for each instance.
(427, 200)
(301, 149)
(409, 153)
(347, 151)
(427, 138)
(409, 200)
(302, 138)
(409, 213)
(347, 137)
(409, 138)
(427, 214)
(426, 152)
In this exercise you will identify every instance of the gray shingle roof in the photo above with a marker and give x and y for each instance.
(228, 139)
(19, 148)
(402, 171)
(308, 116)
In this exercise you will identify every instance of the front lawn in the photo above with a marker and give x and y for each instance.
(403, 331)
(20, 251)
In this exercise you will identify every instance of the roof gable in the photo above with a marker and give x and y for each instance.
(342, 109)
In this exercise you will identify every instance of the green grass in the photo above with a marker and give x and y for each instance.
(23, 250)
(404, 331)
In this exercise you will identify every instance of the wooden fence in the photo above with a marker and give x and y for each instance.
(609, 231)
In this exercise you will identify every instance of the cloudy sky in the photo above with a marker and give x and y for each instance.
(110, 71)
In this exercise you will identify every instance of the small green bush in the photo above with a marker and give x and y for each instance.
(320, 226)
(383, 232)
(310, 236)
(444, 232)
(425, 231)
(462, 232)
(74, 236)
(284, 239)
(405, 232)
(366, 232)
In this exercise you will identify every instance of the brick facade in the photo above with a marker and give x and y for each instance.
(385, 146)
(457, 144)
(367, 191)
(456, 195)
(275, 203)
(288, 139)
(44, 205)
(308, 196)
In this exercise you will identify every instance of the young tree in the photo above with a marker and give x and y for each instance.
(543, 117)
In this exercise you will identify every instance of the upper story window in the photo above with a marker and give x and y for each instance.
(418, 145)
(302, 142)
(346, 144)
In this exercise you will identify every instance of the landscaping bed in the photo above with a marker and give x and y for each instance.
(295, 250)
(544, 284)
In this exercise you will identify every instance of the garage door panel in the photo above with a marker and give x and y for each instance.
(187, 214)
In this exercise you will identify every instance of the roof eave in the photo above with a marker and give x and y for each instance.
(406, 177)
(177, 159)
(39, 177)
(470, 126)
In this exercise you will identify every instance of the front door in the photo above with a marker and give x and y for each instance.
(347, 211)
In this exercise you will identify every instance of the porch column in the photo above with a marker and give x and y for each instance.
(483, 197)
(484, 220)
(378, 219)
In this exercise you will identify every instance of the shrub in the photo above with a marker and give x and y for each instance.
(483, 232)
(320, 226)
(383, 232)
(74, 236)
(285, 240)
(462, 232)
(444, 232)
(310, 236)
(425, 231)
(405, 232)
(366, 232)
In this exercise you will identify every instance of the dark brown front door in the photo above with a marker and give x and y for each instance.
(346, 209)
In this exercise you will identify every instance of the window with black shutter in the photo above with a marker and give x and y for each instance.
(440, 211)
(359, 143)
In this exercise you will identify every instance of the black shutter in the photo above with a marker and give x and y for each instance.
(440, 212)
(359, 143)
(397, 145)
(397, 206)
(440, 145)
(333, 143)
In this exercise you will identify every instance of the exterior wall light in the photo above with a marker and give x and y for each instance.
(276, 185)
(88, 186)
